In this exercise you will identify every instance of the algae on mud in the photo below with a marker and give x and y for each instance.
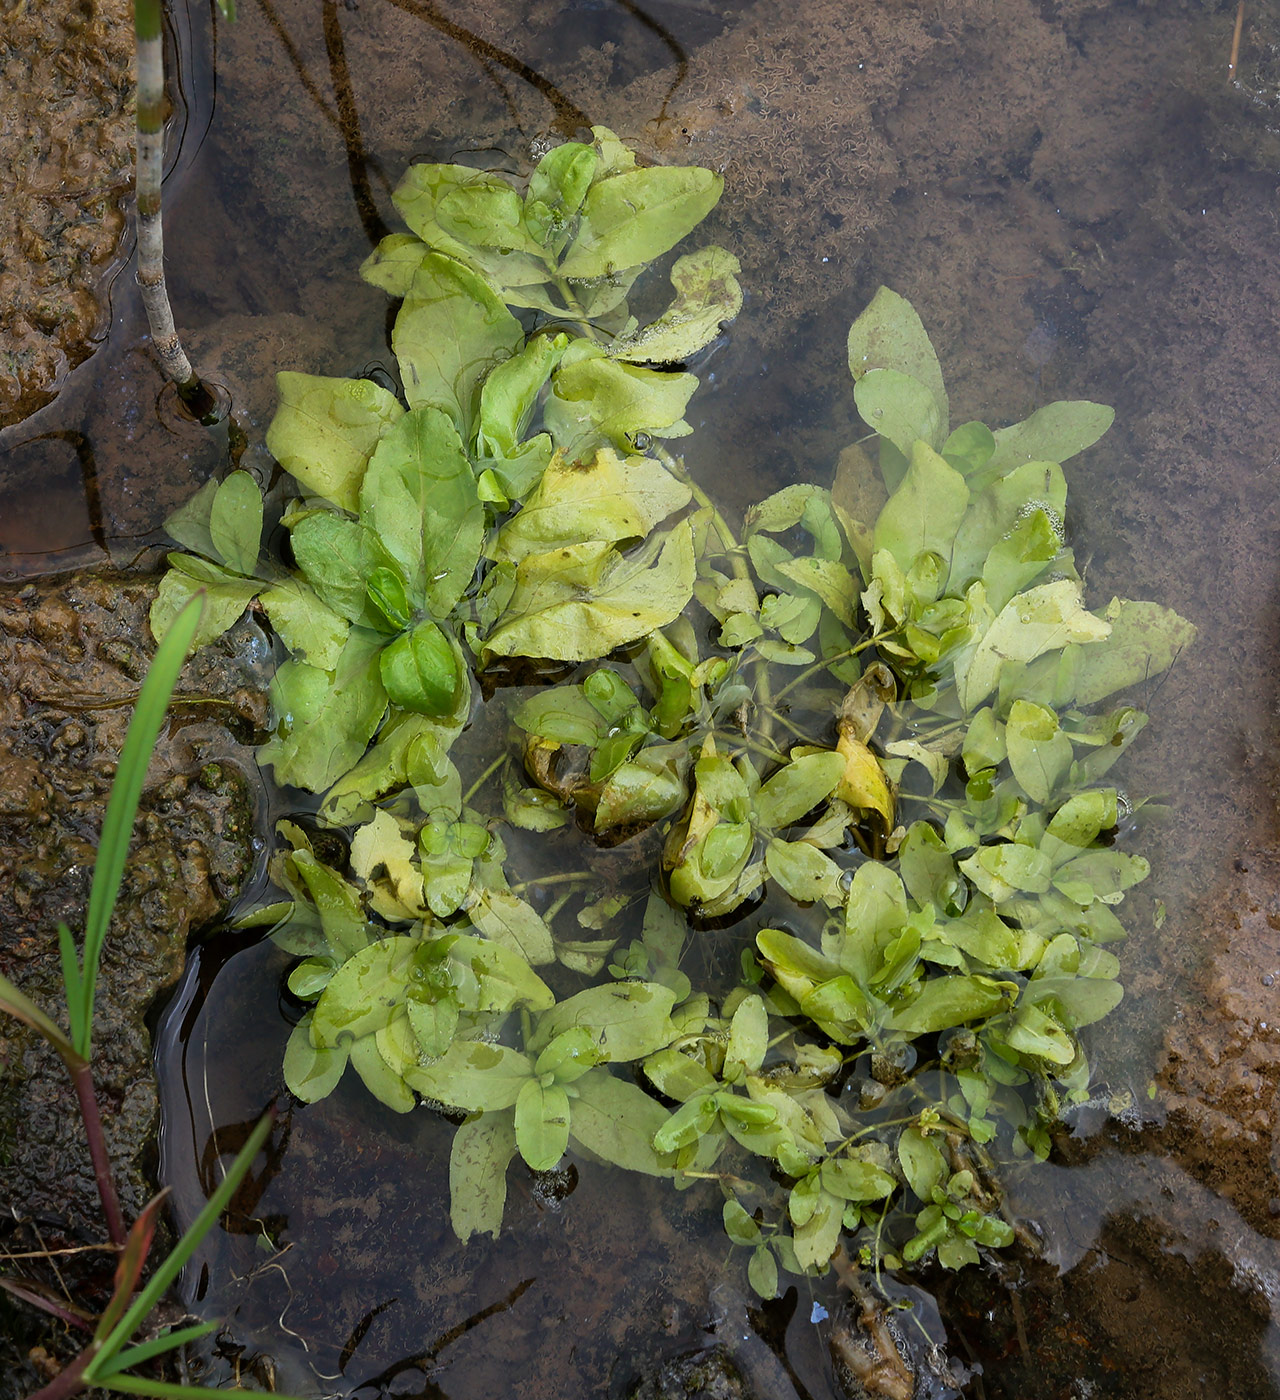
(984, 946)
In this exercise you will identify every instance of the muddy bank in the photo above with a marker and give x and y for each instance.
(72, 656)
(66, 163)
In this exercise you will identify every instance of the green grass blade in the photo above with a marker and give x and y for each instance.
(122, 806)
(135, 1385)
(169, 1269)
(157, 1346)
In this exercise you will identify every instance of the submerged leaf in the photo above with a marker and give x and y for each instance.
(708, 295)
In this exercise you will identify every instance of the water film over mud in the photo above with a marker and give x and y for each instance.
(1079, 205)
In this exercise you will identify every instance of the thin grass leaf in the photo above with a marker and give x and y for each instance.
(169, 1269)
(135, 1385)
(157, 1346)
(122, 806)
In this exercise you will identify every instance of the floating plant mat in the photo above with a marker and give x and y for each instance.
(880, 711)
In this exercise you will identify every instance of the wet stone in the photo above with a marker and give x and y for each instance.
(67, 687)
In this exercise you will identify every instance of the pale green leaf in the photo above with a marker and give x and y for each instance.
(890, 335)
(584, 605)
(482, 1149)
(636, 216)
(324, 431)
(707, 296)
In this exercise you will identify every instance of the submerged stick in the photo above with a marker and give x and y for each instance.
(1234, 61)
(147, 23)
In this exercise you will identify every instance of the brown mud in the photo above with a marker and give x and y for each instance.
(1079, 204)
(66, 163)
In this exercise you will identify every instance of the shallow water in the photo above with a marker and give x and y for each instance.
(1080, 205)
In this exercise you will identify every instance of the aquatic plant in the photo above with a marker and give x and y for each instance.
(108, 1358)
(874, 708)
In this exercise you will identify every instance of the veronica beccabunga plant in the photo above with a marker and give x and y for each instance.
(873, 712)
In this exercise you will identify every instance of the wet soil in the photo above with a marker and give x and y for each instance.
(66, 163)
(72, 656)
(1080, 205)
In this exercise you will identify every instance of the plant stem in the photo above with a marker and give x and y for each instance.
(148, 28)
(82, 1077)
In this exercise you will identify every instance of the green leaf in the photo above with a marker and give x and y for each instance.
(542, 1124)
(486, 213)
(969, 447)
(854, 1180)
(422, 672)
(393, 263)
(832, 582)
(418, 198)
(235, 522)
(1052, 434)
(306, 624)
(324, 431)
(473, 1075)
(628, 1019)
(610, 498)
(595, 399)
(925, 511)
(325, 719)
(922, 1162)
(225, 597)
(510, 391)
(899, 408)
(636, 216)
(798, 788)
(482, 1149)
(1000, 871)
(950, 1001)
(561, 181)
(762, 1272)
(383, 1082)
(451, 331)
(1045, 618)
(1039, 752)
(331, 551)
(189, 524)
(996, 511)
(1102, 875)
(707, 296)
(803, 871)
(419, 496)
(513, 924)
(365, 992)
(581, 602)
(739, 1226)
(617, 1121)
(927, 869)
(748, 1034)
(890, 335)
(649, 787)
(1145, 640)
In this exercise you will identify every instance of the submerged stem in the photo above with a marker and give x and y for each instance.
(195, 395)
